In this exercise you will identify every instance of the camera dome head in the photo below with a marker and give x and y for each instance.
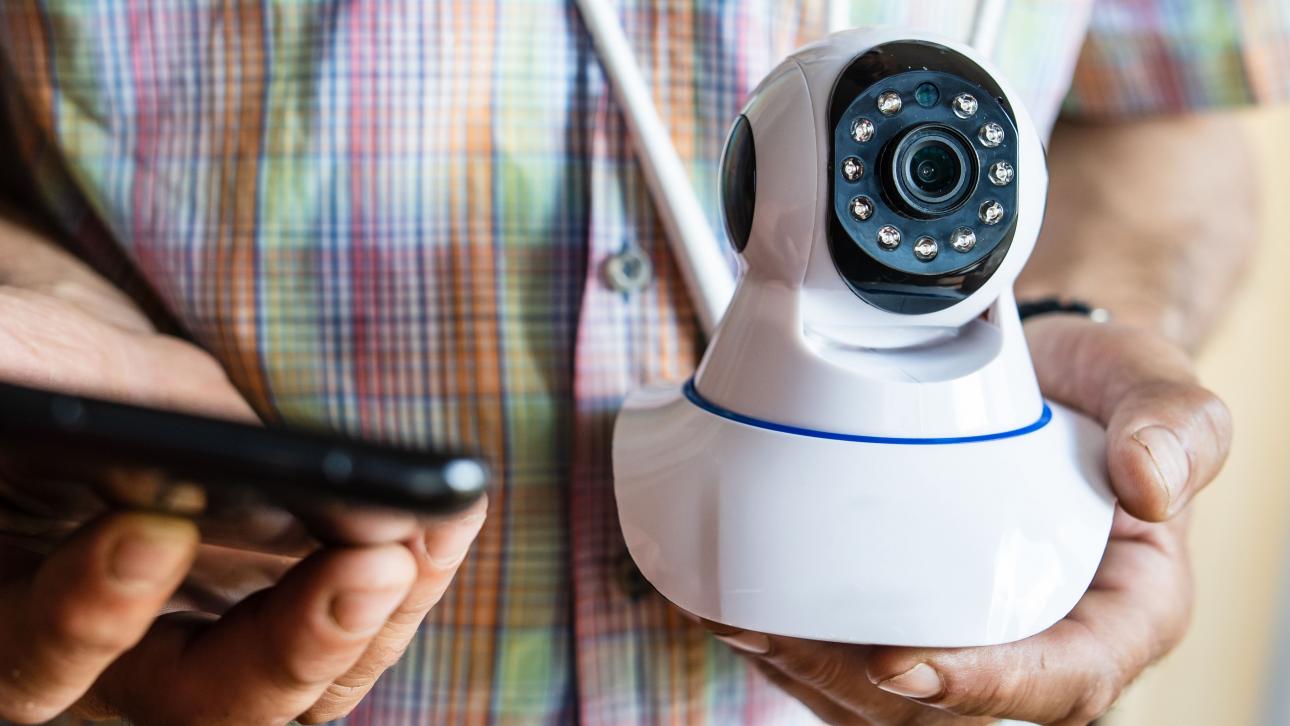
(899, 169)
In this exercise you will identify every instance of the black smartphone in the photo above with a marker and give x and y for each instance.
(64, 457)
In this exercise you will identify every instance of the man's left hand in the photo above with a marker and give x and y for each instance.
(1167, 437)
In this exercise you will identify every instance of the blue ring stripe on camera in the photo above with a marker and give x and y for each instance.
(692, 393)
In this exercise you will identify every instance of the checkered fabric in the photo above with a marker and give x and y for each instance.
(390, 218)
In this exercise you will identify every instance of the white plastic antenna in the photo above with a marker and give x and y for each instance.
(708, 277)
(985, 29)
(839, 15)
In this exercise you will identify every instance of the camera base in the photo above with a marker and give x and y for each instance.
(940, 543)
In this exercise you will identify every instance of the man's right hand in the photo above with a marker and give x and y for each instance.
(79, 628)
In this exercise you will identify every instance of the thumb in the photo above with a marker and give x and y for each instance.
(1165, 442)
(1167, 436)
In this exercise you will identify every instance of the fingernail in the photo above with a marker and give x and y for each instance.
(1169, 459)
(447, 545)
(361, 611)
(921, 681)
(749, 641)
(149, 556)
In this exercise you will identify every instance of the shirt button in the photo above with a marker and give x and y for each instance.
(628, 271)
(630, 580)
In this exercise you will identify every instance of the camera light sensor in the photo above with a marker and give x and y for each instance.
(1002, 174)
(889, 103)
(852, 168)
(991, 135)
(963, 240)
(965, 105)
(925, 249)
(862, 130)
(862, 208)
(992, 212)
(927, 94)
(888, 237)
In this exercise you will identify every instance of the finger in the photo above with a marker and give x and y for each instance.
(90, 601)
(1167, 437)
(825, 708)
(1061, 676)
(347, 525)
(51, 344)
(221, 577)
(174, 374)
(1072, 672)
(836, 673)
(439, 550)
(833, 672)
(270, 657)
(1165, 442)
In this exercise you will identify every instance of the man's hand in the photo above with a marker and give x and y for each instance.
(79, 628)
(1166, 439)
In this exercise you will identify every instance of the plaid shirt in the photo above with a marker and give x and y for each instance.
(391, 218)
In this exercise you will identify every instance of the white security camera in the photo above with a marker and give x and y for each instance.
(864, 454)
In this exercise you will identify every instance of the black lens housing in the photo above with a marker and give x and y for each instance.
(950, 195)
(930, 171)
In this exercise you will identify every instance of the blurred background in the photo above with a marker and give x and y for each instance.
(1234, 665)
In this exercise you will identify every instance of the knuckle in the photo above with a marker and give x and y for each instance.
(1096, 699)
(381, 654)
(345, 692)
(1000, 694)
(19, 705)
(296, 674)
(983, 696)
(329, 654)
(418, 604)
(355, 683)
(351, 685)
(337, 702)
(74, 630)
(819, 671)
(294, 671)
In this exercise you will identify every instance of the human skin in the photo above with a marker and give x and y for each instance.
(285, 638)
(1154, 221)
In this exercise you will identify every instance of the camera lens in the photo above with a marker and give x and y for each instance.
(931, 171)
(935, 170)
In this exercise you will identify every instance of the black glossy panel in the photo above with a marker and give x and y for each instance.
(896, 280)
(739, 183)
